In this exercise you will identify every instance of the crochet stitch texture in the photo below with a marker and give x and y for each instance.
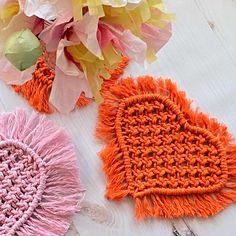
(172, 160)
(39, 182)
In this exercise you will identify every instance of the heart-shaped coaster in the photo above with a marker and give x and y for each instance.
(39, 181)
(172, 160)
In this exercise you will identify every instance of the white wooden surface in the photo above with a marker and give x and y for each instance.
(201, 59)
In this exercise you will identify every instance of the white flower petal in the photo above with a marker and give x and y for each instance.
(47, 10)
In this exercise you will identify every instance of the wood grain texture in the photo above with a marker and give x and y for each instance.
(201, 59)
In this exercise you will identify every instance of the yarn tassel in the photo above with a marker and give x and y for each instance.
(36, 91)
(61, 194)
(112, 157)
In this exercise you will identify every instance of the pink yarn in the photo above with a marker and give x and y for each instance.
(39, 181)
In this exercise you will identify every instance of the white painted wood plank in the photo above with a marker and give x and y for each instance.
(221, 17)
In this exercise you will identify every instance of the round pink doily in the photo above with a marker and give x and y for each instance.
(39, 182)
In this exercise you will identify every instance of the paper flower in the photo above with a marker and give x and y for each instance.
(88, 38)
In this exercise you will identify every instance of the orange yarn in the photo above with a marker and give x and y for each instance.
(37, 90)
(172, 160)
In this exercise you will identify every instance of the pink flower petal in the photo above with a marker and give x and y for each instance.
(69, 82)
(105, 36)
(156, 37)
(10, 75)
(52, 35)
(86, 31)
(125, 41)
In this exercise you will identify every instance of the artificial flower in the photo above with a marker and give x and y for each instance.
(124, 42)
(68, 34)
(88, 39)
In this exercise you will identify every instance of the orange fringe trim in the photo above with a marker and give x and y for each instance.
(37, 90)
(124, 169)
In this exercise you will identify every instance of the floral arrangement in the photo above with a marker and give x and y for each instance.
(82, 40)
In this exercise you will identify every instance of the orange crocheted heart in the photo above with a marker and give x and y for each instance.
(171, 160)
(167, 155)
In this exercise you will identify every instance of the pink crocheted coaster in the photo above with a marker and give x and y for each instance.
(39, 182)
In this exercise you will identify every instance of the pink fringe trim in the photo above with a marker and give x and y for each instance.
(59, 194)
